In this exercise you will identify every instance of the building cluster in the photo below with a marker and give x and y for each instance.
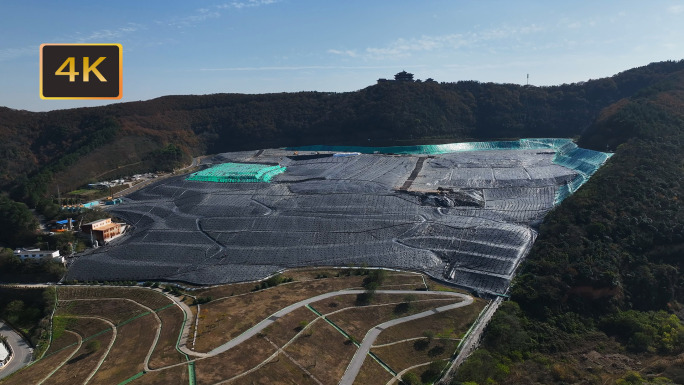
(130, 180)
(100, 233)
(102, 230)
(403, 76)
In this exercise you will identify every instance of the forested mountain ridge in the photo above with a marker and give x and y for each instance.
(597, 299)
(128, 134)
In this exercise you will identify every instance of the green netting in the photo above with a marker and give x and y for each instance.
(434, 149)
(237, 173)
(584, 162)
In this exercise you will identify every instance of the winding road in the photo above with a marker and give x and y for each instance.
(467, 300)
(20, 349)
(360, 355)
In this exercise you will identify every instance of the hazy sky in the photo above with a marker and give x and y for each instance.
(260, 46)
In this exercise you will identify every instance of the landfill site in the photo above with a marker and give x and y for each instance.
(464, 213)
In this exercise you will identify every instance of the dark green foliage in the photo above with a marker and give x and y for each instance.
(482, 367)
(25, 309)
(17, 223)
(402, 308)
(97, 132)
(173, 289)
(273, 281)
(646, 331)
(609, 258)
(617, 242)
(365, 298)
(410, 378)
(421, 344)
(92, 346)
(374, 279)
(431, 374)
(13, 270)
(167, 158)
(201, 300)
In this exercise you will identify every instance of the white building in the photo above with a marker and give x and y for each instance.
(4, 354)
(25, 254)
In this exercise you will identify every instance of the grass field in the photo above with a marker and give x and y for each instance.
(358, 320)
(40, 370)
(324, 352)
(403, 355)
(233, 362)
(165, 352)
(117, 328)
(231, 316)
(127, 356)
(452, 323)
(279, 371)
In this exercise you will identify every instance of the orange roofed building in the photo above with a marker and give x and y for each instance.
(103, 230)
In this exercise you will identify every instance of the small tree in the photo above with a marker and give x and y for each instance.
(410, 378)
(92, 346)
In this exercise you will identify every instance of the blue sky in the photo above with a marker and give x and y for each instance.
(262, 46)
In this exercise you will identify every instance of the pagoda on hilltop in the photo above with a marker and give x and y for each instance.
(403, 76)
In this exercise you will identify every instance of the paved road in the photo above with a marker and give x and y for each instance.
(360, 355)
(20, 348)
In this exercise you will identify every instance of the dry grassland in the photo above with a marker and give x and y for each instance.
(127, 356)
(372, 373)
(451, 323)
(231, 316)
(357, 321)
(324, 352)
(165, 352)
(233, 362)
